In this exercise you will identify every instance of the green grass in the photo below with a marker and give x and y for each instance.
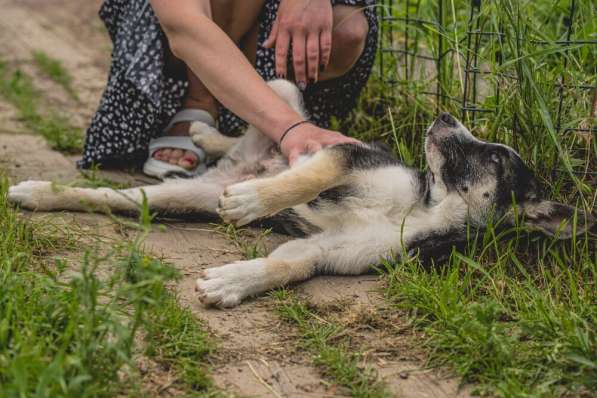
(525, 115)
(178, 341)
(250, 245)
(92, 179)
(331, 354)
(54, 70)
(514, 315)
(67, 332)
(17, 89)
(56, 337)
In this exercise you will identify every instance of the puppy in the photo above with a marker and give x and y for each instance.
(354, 204)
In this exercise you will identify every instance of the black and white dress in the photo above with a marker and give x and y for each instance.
(141, 96)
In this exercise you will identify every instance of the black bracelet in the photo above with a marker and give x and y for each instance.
(289, 129)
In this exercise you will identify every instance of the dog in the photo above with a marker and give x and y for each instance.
(354, 204)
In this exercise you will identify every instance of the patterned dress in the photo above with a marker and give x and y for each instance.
(142, 95)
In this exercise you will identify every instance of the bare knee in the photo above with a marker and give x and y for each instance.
(348, 40)
(236, 17)
(223, 14)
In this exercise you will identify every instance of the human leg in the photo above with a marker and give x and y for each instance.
(349, 36)
(237, 18)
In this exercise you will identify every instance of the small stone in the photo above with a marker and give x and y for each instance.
(403, 375)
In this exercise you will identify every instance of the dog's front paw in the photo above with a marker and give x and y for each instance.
(241, 203)
(228, 285)
(31, 195)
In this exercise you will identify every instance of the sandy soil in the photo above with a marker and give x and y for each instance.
(258, 355)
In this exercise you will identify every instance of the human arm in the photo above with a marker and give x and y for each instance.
(229, 76)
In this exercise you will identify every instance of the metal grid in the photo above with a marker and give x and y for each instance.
(400, 48)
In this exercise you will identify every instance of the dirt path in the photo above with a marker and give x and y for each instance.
(257, 354)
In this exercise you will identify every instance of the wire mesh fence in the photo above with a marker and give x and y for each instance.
(472, 57)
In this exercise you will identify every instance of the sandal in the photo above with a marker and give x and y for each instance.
(160, 169)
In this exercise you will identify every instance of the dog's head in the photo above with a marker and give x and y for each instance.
(490, 178)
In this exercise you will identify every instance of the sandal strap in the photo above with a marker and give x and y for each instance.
(191, 115)
(178, 142)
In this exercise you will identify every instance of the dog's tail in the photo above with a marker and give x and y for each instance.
(290, 93)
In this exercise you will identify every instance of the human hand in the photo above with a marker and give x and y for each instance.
(307, 24)
(308, 138)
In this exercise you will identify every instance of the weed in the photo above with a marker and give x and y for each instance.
(514, 313)
(60, 336)
(249, 245)
(17, 88)
(333, 357)
(54, 69)
(72, 333)
(518, 317)
(177, 340)
(525, 115)
(92, 179)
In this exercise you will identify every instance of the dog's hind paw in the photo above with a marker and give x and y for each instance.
(209, 139)
(201, 133)
(31, 195)
(228, 285)
(241, 204)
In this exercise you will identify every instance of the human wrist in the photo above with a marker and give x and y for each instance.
(275, 128)
(288, 144)
(299, 135)
(290, 129)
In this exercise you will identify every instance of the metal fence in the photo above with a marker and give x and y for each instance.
(406, 22)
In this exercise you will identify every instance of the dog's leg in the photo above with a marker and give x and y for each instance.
(247, 201)
(355, 251)
(173, 196)
(211, 140)
(345, 253)
(228, 285)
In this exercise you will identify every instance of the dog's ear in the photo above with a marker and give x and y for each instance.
(556, 219)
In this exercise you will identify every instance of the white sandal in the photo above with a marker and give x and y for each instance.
(161, 169)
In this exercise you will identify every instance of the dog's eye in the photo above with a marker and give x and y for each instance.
(495, 157)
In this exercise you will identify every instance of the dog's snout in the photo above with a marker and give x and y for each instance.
(448, 119)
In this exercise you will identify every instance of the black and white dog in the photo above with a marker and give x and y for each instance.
(355, 204)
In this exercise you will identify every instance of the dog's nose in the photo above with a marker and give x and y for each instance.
(448, 119)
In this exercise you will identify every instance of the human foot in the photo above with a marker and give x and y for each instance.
(181, 128)
(178, 157)
(175, 153)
